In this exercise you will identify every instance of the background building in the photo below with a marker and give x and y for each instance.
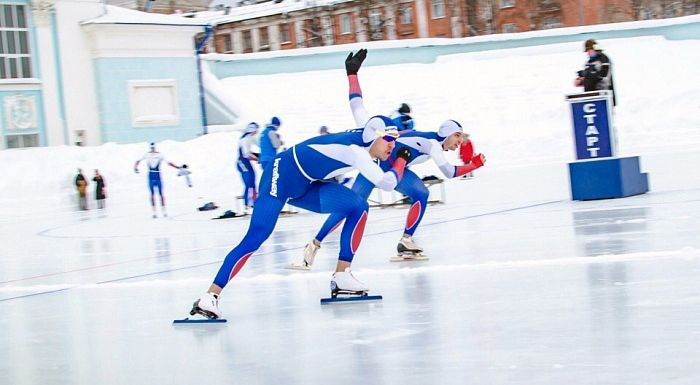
(82, 72)
(286, 24)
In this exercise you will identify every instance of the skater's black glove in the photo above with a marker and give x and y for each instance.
(404, 154)
(354, 62)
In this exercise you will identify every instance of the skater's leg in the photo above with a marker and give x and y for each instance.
(413, 187)
(262, 223)
(338, 199)
(361, 187)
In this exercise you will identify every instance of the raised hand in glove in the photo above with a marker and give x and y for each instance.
(354, 62)
(478, 160)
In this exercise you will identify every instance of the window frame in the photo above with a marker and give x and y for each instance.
(437, 5)
(19, 64)
(345, 17)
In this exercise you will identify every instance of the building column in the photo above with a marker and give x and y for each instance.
(237, 41)
(422, 19)
(255, 39)
(299, 33)
(54, 121)
(360, 27)
(273, 33)
(390, 24)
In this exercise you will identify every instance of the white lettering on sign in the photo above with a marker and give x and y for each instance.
(591, 131)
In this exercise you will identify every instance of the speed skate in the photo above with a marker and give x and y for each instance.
(344, 283)
(404, 257)
(199, 321)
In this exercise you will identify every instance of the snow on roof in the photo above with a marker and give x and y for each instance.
(119, 15)
(269, 8)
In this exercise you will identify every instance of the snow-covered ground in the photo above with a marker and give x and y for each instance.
(523, 286)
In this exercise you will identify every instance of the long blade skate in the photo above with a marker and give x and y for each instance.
(297, 266)
(209, 317)
(406, 257)
(354, 296)
(362, 298)
(199, 321)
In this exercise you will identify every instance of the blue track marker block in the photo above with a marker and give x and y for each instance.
(607, 178)
(198, 321)
(326, 301)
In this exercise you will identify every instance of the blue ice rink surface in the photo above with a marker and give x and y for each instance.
(524, 286)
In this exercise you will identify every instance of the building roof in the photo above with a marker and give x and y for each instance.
(268, 8)
(119, 15)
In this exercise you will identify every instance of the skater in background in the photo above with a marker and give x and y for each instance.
(245, 167)
(154, 159)
(466, 153)
(270, 142)
(298, 176)
(184, 170)
(421, 145)
(597, 72)
(323, 130)
(402, 118)
(81, 186)
(100, 194)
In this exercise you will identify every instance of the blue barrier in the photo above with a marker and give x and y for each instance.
(607, 178)
(598, 173)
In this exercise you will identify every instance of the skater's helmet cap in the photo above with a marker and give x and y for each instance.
(379, 126)
(152, 145)
(449, 127)
(591, 44)
(275, 121)
(251, 127)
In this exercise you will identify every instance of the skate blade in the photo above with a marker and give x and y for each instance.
(199, 321)
(295, 266)
(363, 298)
(405, 258)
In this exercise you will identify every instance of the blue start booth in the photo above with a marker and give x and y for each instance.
(598, 173)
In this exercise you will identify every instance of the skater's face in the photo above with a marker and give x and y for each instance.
(381, 149)
(453, 141)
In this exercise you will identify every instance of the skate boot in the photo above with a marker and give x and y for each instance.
(408, 250)
(345, 283)
(309, 255)
(207, 306)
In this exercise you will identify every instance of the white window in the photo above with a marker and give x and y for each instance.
(552, 22)
(264, 39)
(438, 8)
(406, 15)
(510, 28)
(226, 39)
(507, 3)
(153, 103)
(345, 24)
(247, 42)
(15, 59)
(284, 33)
(19, 141)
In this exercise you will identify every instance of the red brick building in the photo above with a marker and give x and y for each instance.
(285, 24)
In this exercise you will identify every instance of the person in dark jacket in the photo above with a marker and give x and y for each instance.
(100, 194)
(81, 186)
(597, 73)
